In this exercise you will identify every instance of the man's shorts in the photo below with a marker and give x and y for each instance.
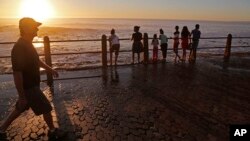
(115, 48)
(36, 100)
(164, 47)
(195, 44)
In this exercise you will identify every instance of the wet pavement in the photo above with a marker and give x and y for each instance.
(163, 102)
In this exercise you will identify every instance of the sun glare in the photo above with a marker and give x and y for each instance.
(38, 9)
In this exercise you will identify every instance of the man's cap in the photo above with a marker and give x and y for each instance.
(26, 22)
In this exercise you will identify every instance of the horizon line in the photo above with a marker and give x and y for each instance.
(209, 20)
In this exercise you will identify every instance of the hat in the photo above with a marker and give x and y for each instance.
(26, 22)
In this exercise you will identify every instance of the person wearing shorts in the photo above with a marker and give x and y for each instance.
(137, 44)
(114, 46)
(164, 45)
(26, 71)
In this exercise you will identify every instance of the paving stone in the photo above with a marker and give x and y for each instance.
(89, 120)
(82, 118)
(95, 123)
(131, 137)
(41, 132)
(86, 137)
(94, 117)
(53, 114)
(126, 130)
(83, 123)
(70, 112)
(149, 133)
(80, 113)
(40, 120)
(90, 126)
(27, 139)
(29, 121)
(34, 129)
(100, 117)
(33, 136)
(117, 138)
(77, 121)
(35, 122)
(98, 128)
(93, 138)
(80, 108)
(76, 112)
(85, 130)
(100, 135)
(54, 119)
(40, 125)
(26, 134)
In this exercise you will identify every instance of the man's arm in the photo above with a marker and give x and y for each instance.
(48, 68)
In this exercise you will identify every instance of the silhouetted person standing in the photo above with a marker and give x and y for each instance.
(114, 46)
(137, 44)
(196, 34)
(176, 43)
(155, 44)
(164, 44)
(185, 35)
(26, 65)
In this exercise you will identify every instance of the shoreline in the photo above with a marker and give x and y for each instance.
(5, 64)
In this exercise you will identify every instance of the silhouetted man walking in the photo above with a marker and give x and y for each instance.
(26, 65)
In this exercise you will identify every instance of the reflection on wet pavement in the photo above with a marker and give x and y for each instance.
(179, 102)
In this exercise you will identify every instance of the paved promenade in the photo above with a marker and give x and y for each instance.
(171, 102)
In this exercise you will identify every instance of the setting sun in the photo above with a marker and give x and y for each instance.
(37, 9)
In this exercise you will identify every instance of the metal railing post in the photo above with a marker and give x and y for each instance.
(104, 51)
(145, 48)
(227, 52)
(48, 61)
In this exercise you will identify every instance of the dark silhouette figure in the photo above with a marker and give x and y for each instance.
(155, 44)
(26, 65)
(114, 45)
(137, 44)
(164, 44)
(176, 43)
(185, 36)
(196, 34)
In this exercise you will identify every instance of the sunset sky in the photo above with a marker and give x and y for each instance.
(229, 10)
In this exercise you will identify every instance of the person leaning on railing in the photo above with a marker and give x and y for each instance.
(164, 45)
(185, 36)
(196, 34)
(137, 44)
(114, 46)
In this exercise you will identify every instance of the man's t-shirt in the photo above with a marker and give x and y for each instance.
(25, 59)
(196, 34)
(114, 40)
(137, 37)
(164, 39)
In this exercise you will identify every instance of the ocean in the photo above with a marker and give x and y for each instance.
(74, 29)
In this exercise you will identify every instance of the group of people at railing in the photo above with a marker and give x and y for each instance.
(189, 40)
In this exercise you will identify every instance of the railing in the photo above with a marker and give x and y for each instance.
(48, 54)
